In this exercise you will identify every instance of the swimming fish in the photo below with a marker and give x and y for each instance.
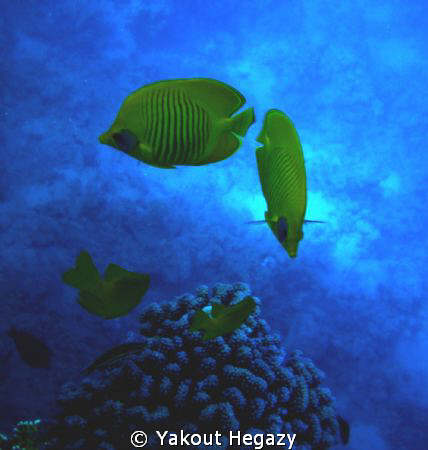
(282, 176)
(344, 429)
(31, 349)
(114, 296)
(115, 354)
(180, 122)
(218, 319)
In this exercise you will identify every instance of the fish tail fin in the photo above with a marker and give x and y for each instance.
(241, 122)
(229, 140)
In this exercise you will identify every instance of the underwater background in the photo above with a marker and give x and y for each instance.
(353, 78)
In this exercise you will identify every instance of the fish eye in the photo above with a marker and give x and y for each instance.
(281, 229)
(125, 140)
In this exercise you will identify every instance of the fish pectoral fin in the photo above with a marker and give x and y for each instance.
(145, 151)
(256, 222)
(146, 155)
(159, 166)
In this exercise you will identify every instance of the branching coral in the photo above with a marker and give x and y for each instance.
(241, 381)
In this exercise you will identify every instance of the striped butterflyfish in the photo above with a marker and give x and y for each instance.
(283, 179)
(180, 122)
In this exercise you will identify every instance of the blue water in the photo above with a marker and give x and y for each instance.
(353, 78)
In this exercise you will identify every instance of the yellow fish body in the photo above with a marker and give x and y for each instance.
(180, 122)
(282, 175)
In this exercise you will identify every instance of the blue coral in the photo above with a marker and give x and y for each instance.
(240, 381)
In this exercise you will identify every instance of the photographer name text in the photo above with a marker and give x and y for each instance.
(259, 441)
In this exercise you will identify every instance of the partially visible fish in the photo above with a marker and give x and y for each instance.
(115, 354)
(112, 296)
(344, 429)
(31, 349)
(218, 319)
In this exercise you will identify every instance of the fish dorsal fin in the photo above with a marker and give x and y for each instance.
(220, 98)
(217, 309)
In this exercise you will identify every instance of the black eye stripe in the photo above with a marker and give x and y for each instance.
(118, 138)
(282, 229)
(125, 140)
